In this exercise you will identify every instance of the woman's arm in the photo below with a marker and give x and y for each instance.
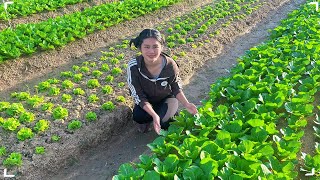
(184, 101)
(156, 119)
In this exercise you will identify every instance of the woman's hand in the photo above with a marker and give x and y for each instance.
(191, 108)
(156, 124)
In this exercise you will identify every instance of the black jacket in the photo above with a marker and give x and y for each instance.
(144, 88)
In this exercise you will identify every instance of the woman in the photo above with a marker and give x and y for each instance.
(154, 83)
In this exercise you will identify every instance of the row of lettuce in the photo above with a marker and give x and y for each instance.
(27, 39)
(20, 8)
(252, 124)
(93, 84)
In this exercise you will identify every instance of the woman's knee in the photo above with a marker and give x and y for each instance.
(140, 116)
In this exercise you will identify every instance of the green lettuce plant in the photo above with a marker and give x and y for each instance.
(108, 106)
(66, 98)
(24, 133)
(91, 116)
(11, 124)
(93, 98)
(14, 159)
(74, 124)
(60, 112)
(93, 83)
(40, 150)
(107, 89)
(78, 91)
(41, 126)
(26, 117)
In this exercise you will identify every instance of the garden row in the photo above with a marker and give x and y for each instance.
(252, 124)
(25, 8)
(76, 97)
(27, 39)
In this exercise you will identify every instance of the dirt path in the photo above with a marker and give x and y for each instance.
(125, 146)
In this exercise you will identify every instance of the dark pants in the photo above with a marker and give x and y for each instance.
(141, 116)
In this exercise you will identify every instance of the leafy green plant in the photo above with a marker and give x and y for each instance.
(84, 69)
(190, 39)
(47, 106)
(74, 124)
(77, 77)
(55, 138)
(120, 98)
(182, 41)
(41, 126)
(3, 151)
(121, 56)
(108, 54)
(24, 133)
(1, 121)
(40, 150)
(53, 81)
(43, 86)
(60, 112)
(174, 57)
(114, 61)
(14, 159)
(66, 74)
(97, 73)
(35, 101)
(107, 89)
(92, 64)
(93, 83)
(67, 84)
(26, 117)
(93, 98)
(91, 116)
(54, 91)
(66, 98)
(21, 95)
(105, 67)
(4, 105)
(182, 54)
(78, 91)
(15, 109)
(19, 9)
(116, 71)
(171, 44)
(108, 106)
(75, 68)
(121, 84)
(11, 124)
(109, 78)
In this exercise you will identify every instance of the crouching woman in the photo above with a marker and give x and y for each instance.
(154, 83)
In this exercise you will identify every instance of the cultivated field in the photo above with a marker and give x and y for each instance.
(65, 110)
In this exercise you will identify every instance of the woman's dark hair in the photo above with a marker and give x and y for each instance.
(147, 33)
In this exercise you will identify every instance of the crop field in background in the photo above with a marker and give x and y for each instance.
(250, 127)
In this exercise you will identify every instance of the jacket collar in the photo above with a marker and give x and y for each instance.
(164, 74)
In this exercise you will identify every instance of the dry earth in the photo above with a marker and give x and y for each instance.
(122, 143)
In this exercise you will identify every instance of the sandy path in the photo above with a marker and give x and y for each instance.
(104, 161)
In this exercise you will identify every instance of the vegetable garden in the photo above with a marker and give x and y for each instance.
(250, 127)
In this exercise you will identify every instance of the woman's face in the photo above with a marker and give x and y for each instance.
(151, 49)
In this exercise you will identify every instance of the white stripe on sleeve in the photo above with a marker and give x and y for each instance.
(136, 98)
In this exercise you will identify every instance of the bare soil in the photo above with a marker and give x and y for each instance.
(117, 140)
